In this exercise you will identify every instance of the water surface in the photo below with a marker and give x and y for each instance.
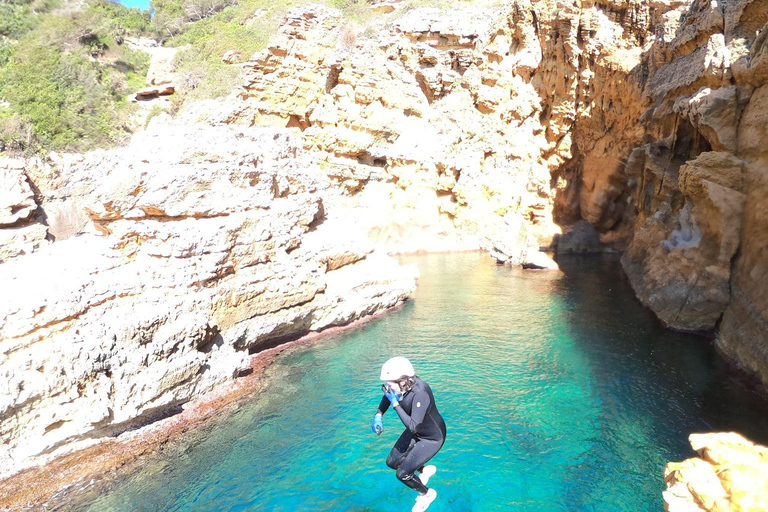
(560, 392)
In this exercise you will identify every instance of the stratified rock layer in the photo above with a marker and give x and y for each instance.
(697, 256)
(503, 127)
(730, 474)
(203, 245)
(20, 231)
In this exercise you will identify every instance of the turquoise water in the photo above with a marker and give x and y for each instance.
(560, 392)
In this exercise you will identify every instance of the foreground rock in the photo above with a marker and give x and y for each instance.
(202, 246)
(731, 474)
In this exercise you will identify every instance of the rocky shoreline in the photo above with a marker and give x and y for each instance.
(187, 250)
(54, 483)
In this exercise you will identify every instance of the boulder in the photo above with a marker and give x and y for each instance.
(581, 238)
(731, 474)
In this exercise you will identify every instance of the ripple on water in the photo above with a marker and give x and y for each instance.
(561, 393)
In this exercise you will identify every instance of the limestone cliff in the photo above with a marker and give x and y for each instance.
(471, 126)
(698, 255)
(194, 246)
(506, 127)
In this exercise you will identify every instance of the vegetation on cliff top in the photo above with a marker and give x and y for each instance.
(245, 26)
(65, 74)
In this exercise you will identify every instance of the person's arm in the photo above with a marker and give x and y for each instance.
(383, 405)
(419, 407)
(377, 425)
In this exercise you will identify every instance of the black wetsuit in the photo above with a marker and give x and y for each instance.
(423, 437)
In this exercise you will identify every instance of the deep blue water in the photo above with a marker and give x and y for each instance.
(560, 392)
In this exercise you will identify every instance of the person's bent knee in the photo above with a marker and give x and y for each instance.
(391, 462)
(403, 475)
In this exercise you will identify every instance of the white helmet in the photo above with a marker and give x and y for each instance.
(395, 368)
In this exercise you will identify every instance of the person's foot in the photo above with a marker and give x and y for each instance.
(427, 473)
(424, 501)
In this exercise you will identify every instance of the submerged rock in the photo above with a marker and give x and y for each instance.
(730, 474)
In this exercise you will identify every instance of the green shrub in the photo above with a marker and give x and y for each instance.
(122, 21)
(6, 48)
(15, 20)
(168, 17)
(172, 17)
(67, 79)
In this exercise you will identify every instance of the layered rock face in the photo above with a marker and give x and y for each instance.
(200, 245)
(502, 127)
(488, 127)
(20, 230)
(391, 115)
(698, 251)
(730, 474)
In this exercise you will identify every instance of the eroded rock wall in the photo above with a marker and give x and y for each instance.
(697, 253)
(507, 127)
(464, 128)
(201, 245)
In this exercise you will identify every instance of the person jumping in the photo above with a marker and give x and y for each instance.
(424, 432)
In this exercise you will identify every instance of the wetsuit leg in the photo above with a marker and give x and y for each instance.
(400, 450)
(414, 459)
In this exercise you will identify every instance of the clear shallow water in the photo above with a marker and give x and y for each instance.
(560, 392)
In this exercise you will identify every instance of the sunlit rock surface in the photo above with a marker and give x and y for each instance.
(201, 245)
(730, 474)
(20, 230)
(500, 127)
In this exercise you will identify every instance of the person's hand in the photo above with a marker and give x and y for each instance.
(377, 426)
(392, 397)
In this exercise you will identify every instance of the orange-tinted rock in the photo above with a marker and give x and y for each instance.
(731, 475)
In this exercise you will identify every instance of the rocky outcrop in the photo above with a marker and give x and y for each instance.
(20, 231)
(697, 252)
(503, 128)
(468, 125)
(730, 474)
(155, 91)
(679, 261)
(202, 245)
(380, 116)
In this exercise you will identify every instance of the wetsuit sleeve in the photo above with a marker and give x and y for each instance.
(419, 410)
(383, 405)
